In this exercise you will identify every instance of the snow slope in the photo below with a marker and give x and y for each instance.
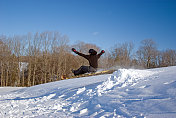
(125, 93)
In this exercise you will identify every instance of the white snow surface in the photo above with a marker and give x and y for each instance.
(126, 93)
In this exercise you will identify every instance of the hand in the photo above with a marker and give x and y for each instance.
(102, 51)
(74, 50)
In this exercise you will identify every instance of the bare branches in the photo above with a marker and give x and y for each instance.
(47, 57)
(147, 53)
(122, 54)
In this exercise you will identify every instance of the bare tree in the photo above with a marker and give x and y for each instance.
(122, 54)
(5, 56)
(168, 58)
(147, 53)
(48, 57)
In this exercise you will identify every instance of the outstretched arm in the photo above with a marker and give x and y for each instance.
(74, 50)
(101, 53)
(80, 54)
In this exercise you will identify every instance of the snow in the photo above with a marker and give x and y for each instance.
(8, 89)
(127, 93)
(23, 66)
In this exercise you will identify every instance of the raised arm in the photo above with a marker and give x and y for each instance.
(80, 54)
(101, 53)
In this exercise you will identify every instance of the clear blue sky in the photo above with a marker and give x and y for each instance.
(102, 22)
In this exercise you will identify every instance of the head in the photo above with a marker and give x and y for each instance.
(92, 52)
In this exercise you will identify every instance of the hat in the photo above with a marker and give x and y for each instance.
(92, 51)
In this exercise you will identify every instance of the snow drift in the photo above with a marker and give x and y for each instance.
(123, 78)
(125, 93)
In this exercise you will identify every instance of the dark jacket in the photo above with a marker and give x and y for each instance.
(92, 58)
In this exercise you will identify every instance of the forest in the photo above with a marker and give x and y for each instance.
(37, 58)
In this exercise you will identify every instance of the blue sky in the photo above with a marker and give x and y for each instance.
(101, 22)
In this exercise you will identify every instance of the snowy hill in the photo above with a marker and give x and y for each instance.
(125, 93)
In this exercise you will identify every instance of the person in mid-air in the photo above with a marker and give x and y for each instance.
(93, 62)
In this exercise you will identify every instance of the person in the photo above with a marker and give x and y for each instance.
(93, 61)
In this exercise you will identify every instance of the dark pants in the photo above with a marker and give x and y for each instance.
(84, 69)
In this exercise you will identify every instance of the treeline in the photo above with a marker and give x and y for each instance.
(147, 55)
(45, 57)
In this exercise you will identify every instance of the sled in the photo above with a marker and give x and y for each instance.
(63, 77)
(94, 74)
